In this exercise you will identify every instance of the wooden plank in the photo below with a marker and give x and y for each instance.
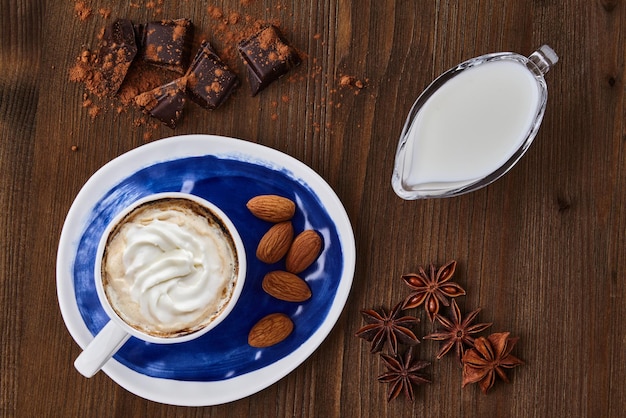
(541, 250)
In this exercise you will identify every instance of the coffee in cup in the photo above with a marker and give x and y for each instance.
(168, 269)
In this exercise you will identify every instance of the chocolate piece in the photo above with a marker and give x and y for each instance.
(268, 56)
(139, 34)
(165, 103)
(209, 81)
(115, 55)
(167, 43)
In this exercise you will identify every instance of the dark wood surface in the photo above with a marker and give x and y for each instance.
(542, 250)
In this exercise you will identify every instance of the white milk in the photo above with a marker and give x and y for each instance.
(471, 125)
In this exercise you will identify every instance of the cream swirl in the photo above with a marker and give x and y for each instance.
(169, 270)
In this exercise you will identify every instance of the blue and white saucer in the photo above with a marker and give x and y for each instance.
(220, 366)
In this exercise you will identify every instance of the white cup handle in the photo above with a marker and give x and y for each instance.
(101, 349)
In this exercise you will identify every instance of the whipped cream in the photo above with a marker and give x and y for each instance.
(169, 267)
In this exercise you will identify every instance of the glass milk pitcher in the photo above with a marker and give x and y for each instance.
(472, 124)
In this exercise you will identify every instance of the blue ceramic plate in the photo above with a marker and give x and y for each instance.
(220, 366)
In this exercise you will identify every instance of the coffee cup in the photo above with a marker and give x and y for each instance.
(168, 269)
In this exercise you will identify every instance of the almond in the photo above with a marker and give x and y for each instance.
(272, 208)
(270, 330)
(304, 251)
(286, 286)
(275, 243)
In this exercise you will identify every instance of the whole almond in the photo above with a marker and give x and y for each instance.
(304, 251)
(270, 330)
(272, 208)
(286, 286)
(275, 243)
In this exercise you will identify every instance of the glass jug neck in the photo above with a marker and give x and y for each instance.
(544, 58)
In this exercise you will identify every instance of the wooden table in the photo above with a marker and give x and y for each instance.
(542, 250)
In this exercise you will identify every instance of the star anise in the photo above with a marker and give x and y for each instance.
(457, 331)
(489, 357)
(402, 374)
(432, 288)
(387, 327)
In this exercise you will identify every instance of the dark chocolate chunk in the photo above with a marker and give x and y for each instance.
(167, 43)
(209, 81)
(115, 55)
(165, 103)
(139, 33)
(268, 56)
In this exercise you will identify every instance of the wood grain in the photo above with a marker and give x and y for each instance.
(542, 250)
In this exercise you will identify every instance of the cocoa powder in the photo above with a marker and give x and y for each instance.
(82, 10)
